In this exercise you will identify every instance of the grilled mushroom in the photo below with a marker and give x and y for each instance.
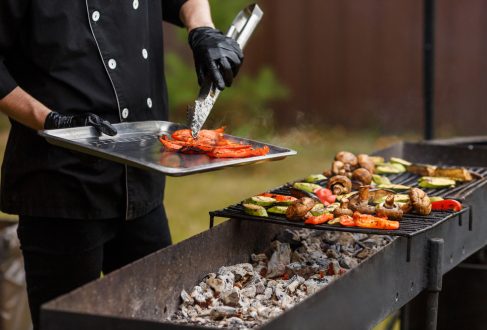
(361, 177)
(347, 158)
(339, 184)
(360, 202)
(338, 168)
(389, 209)
(343, 209)
(364, 161)
(420, 201)
(299, 208)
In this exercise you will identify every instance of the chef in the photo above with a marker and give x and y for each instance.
(94, 62)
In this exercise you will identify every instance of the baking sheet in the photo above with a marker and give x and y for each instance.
(137, 144)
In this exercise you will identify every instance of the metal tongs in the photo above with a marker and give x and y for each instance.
(241, 29)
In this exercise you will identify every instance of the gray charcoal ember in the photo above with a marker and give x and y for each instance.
(201, 320)
(186, 298)
(294, 285)
(241, 270)
(348, 262)
(228, 280)
(217, 284)
(332, 253)
(346, 239)
(298, 257)
(286, 302)
(218, 313)
(266, 295)
(198, 295)
(264, 312)
(231, 298)
(365, 253)
(249, 291)
(235, 321)
(261, 269)
(279, 259)
(253, 314)
(331, 237)
(334, 267)
(188, 311)
(310, 286)
(280, 292)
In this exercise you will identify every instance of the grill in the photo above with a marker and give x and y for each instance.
(143, 294)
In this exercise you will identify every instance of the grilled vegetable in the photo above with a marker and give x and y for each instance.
(278, 209)
(395, 187)
(331, 208)
(435, 182)
(346, 221)
(334, 222)
(446, 205)
(299, 208)
(318, 209)
(306, 186)
(389, 168)
(255, 210)
(421, 169)
(261, 200)
(436, 199)
(314, 178)
(419, 201)
(360, 201)
(364, 161)
(347, 158)
(459, 174)
(379, 179)
(361, 177)
(401, 161)
(398, 198)
(343, 209)
(325, 196)
(389, 209)
(377, 160)
(318, 220)
(280, 199)
(339, 184)
(371, 222)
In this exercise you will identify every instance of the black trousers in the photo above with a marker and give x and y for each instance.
(63, 254)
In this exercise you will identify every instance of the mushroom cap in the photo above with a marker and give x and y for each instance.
(299, 208)
(346, 158)
(420, 201)
(362, 175)
(364, 161)
(341, 180)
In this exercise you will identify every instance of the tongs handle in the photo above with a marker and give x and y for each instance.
(244, 24)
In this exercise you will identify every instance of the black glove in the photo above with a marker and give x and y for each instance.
(57, 120)
(217, 57)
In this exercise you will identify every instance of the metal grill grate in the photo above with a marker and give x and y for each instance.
(410, 224)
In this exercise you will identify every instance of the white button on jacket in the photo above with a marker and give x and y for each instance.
(149, 102)
(136, 4)
(144, 53)
(125, 113)
(112, 64)
(95, 16)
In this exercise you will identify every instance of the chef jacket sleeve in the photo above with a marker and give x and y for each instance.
(170, 11)
(11, 16)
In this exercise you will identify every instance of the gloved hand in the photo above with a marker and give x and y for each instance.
(57, 120)
(216, 56)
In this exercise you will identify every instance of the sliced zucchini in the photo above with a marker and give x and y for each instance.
(318, 209)
(379, 179)
(255, 210)
(314, 178)
(436, 182)
(435, 199)
(392, 186)
(350, 194)
(377, 160)
(261, 200)
(401, 161)
(398, 198)
(330, 208)
(389, 168)
(277, 209)
(306, 186)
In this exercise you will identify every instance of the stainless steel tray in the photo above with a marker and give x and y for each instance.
(137, 144)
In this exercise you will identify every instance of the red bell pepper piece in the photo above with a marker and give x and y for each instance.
(446, 205)
(347, 221)
(279, 198)
(371, 222)
(325, 195)
(318, 220)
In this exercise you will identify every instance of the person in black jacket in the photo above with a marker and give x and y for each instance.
(93, 62)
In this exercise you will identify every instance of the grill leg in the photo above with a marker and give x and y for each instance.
(212, 220)
(434, 282)
(404, 315)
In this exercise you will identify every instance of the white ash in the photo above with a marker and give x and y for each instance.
(297, 264)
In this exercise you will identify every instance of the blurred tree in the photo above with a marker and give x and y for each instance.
(244, 108)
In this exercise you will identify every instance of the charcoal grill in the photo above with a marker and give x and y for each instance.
(141, 295)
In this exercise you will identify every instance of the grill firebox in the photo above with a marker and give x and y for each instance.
(143, 294)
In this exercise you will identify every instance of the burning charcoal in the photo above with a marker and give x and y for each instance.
(231, 298)
(348, 262)
(186, 298)
(235, 322)
(334, 268)
(280, 258)
(279, 292)
(259, 257)
(365, 253)
(290, 237)
(218, 313)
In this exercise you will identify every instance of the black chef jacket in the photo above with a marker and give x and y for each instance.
(99, 56)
